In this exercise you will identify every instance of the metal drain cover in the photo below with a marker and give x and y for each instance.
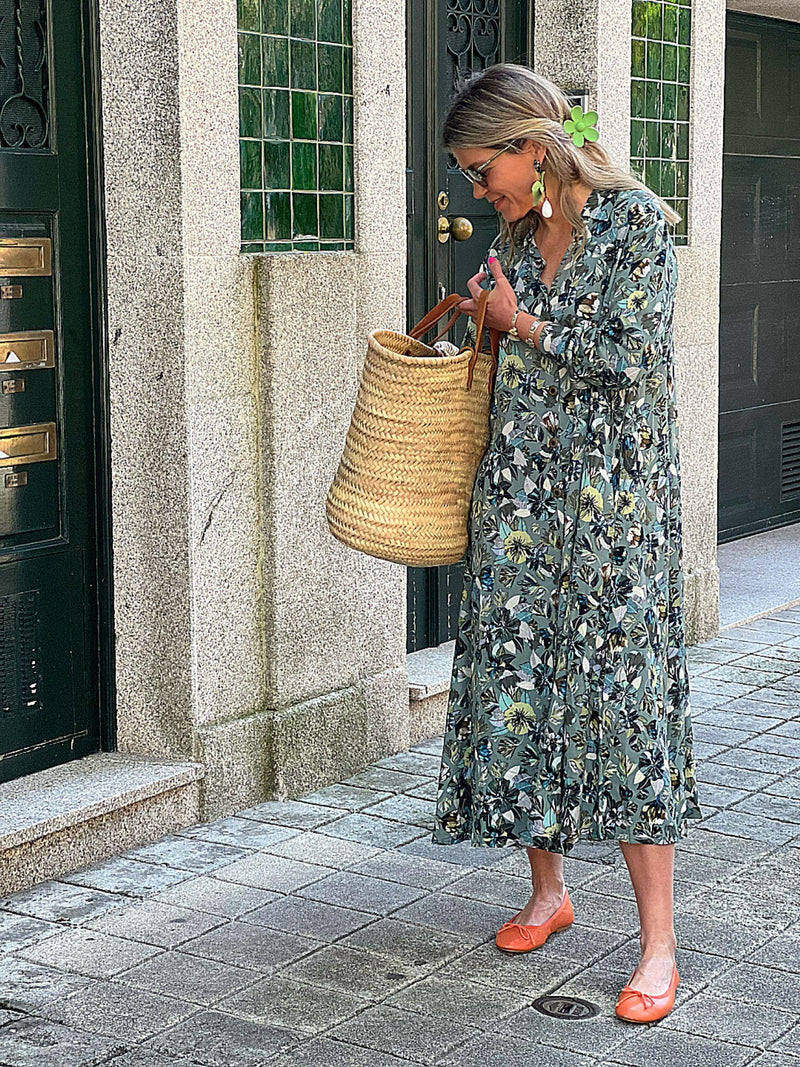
(566, 1007)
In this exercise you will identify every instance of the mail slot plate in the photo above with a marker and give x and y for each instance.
(25, 257)
(26, 350)
(27, 444)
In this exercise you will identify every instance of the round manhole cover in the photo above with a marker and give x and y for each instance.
(566, 1007)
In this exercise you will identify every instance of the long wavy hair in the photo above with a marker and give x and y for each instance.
(508, 102)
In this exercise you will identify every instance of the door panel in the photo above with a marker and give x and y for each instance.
(445, 38)
(49, 687)
(759, 427)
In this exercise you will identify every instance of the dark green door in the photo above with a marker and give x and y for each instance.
(759, 337)
(444, 38)
(449, 229)
(50, 697)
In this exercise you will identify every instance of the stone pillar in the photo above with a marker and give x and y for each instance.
(246, 636)
(586, 46)
(336, 619)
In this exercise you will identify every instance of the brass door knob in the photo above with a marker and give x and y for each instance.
(459, 228)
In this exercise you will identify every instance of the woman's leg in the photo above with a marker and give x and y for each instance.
(547, 871)
(651, 870)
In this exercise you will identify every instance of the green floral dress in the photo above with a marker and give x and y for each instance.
(568, 716)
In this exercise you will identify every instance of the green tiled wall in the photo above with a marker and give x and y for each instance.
(296, 125)
(660, 54)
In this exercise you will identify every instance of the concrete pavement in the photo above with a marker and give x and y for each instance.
(329, 931)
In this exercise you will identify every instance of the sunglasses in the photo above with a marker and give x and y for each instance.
(476, 174)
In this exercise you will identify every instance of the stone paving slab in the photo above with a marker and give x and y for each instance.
(330, 931)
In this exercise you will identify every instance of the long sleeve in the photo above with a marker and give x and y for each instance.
(616, 337)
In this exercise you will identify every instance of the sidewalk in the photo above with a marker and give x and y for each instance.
(328, 931)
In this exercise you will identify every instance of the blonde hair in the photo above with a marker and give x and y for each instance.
(507, 102)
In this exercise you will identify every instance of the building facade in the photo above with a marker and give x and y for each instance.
(208, 208)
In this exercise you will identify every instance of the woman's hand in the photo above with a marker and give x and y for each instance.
(502, 302)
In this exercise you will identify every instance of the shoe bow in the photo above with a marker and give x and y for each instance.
(524, 931)
(648, 1000)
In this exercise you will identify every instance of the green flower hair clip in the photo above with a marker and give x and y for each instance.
(581, 126)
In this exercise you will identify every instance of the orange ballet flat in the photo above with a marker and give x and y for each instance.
(638, 1007)
(514, 937)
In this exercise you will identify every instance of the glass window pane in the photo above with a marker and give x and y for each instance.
(655, 20)
(249, 59)
(275, 60)
(331, 215)
(331, 166)
(330, 118)
(250, 164)
(276, 165)
(652, 100)
(305, 214)
(304, 64)
(685, 25)
(276, 113)
(302, 19)
(638, 52)
(304, 165)
(660, 106)
(639, 26)
(683, 65)
(249, 13)
(637, 98)
(669, 100)
(295, 63)
(330, 68)
(250, 113)
(683, 140)
(330, 20)
(304, 116)
(670, 61)
(274, 16)
(252, 216)
(670, 22)
(654, 66)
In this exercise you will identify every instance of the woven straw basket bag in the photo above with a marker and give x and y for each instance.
(420, 427)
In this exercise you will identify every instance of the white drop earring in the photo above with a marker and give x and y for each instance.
(540, 192)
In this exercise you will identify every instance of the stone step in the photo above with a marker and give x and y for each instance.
(66, 817)
(429, 673)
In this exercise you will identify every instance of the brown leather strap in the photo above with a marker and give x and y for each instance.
(494, 338)
(435, 315)
(448, 304)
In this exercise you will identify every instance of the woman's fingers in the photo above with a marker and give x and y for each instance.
(474, 284)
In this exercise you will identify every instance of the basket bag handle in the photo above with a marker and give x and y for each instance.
(438, 313)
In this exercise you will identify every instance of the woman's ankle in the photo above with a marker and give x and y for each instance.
(661, 945)
(549, 890)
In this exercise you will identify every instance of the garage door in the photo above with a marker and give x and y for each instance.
(759, 428)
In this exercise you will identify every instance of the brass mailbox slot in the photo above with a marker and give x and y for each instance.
(26, 256)
(27, 350)
(28, 444)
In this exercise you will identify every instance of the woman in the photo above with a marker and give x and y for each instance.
(569, 712)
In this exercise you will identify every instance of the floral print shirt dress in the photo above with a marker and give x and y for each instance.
(568, 716)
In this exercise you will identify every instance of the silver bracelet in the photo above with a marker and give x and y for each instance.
(529, 339)
(512, 330)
